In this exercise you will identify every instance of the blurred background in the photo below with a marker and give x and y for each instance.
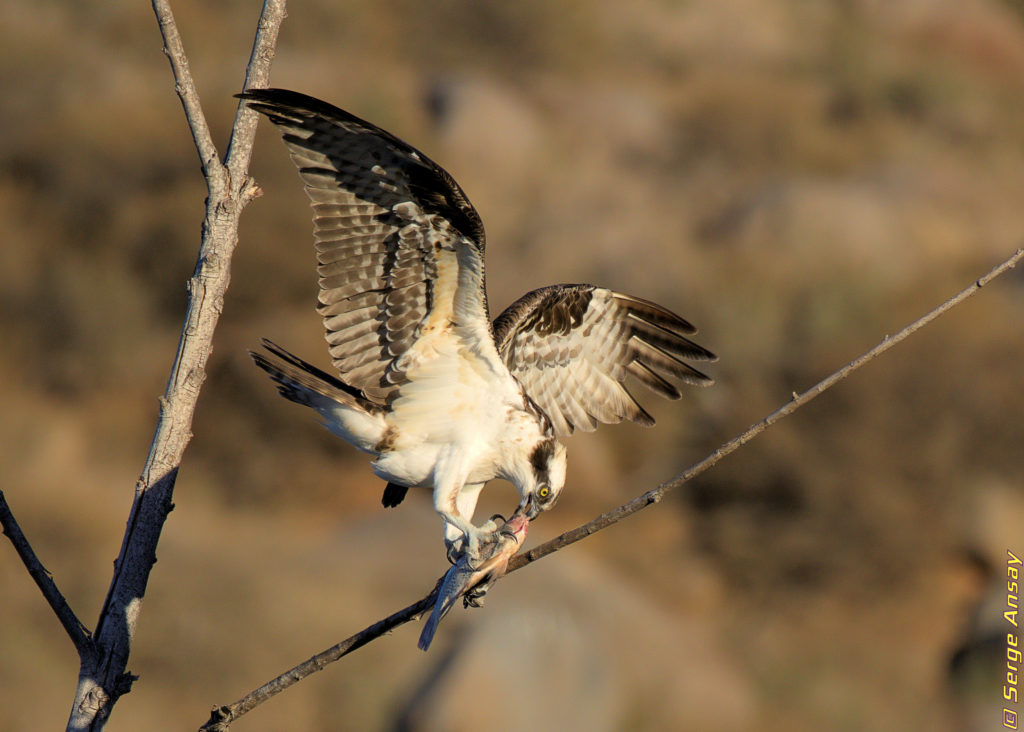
(797, 178)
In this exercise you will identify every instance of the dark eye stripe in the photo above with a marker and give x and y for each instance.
(540, 457)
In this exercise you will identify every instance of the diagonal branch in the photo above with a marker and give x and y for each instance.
(78, 633)
(221, 717)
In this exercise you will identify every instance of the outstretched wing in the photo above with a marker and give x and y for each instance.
(399, 247)
(572, 346)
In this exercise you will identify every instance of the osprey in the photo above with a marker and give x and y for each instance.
(431, 388)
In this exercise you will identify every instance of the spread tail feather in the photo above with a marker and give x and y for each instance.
(346, 411)
(297, 379)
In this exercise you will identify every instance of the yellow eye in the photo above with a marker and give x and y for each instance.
(543, 492)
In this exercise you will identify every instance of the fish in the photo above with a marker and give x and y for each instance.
(462, 580)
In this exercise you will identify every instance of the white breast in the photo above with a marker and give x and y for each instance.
(453, 399)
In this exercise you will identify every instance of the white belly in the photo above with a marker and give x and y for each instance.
(467, 428)
(454, 411)
(418, 455)
(412, 466)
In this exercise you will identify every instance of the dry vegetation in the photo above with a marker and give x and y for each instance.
(796, 178)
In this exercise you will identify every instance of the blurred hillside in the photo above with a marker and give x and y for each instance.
(798, 179)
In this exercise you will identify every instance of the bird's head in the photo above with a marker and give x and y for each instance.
(547, 477)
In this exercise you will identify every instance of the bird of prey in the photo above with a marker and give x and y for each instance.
(426, 383)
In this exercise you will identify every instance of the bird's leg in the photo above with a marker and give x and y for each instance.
(462, 538)
(460, 535)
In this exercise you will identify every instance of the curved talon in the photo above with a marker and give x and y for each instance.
(455, 549)
(474, 562)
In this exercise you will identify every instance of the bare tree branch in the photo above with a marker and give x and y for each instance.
(186, 89)
(257, 75)
(221, 717)
(78, 633)
(104, 656)
(102, 677)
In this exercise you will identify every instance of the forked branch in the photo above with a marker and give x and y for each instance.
(102, 676)
(221, 717)
(104, 654)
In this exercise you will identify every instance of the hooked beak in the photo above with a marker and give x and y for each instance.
(531, 508)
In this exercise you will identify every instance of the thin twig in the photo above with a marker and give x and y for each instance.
(257, 75)
(78, 633)
(186, 89)
(221, 717)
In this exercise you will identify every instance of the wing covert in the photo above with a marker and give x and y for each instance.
(571, 347)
